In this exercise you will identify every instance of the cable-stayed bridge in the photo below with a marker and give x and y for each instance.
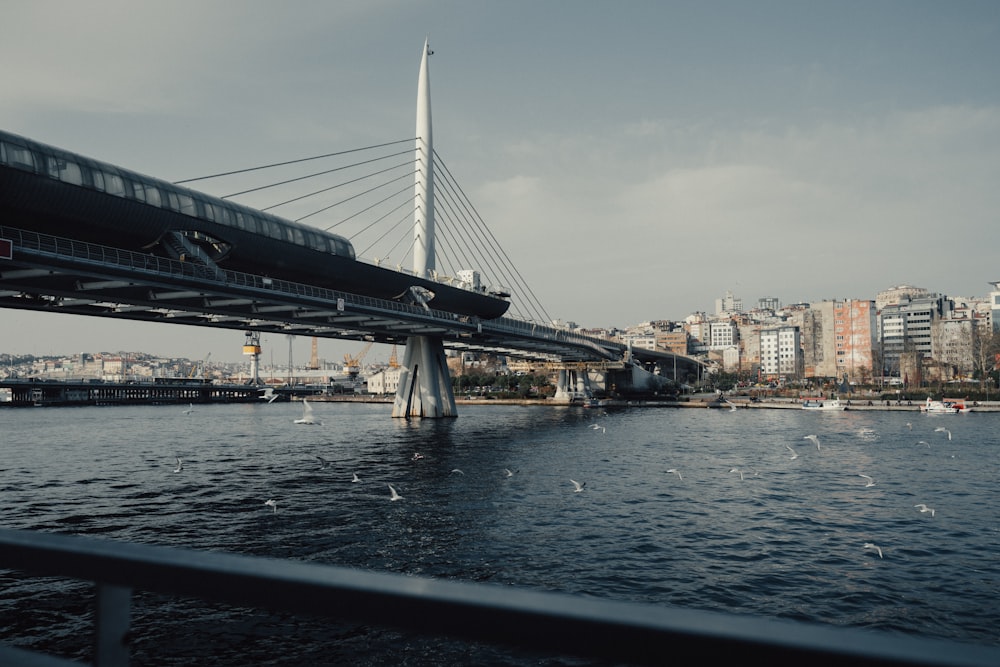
(282, 254)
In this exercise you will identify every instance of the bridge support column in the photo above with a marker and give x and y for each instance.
(572, 384)
(424, 383)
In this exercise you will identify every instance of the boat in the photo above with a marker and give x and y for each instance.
(822, 404)
(945, 406)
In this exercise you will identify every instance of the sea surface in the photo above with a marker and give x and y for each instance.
(755, 519)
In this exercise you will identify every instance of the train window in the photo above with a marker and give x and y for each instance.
(97, 178)
(17, 156)
(64, 170)
(185, 204)
(113, 184)
(297, 236)
(153, 195)
(209, 210)
(138, 191)
(225, 215)
(315, 241)
(271, 229)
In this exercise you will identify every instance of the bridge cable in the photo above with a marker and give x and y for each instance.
(514, 283)
(282, 164)
(489, 236)
(370, 190)
(323, 173)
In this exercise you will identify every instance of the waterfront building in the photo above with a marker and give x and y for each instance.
(781, 353)
(904, 328)
(722, 334)
(855, 339)
(995, 307)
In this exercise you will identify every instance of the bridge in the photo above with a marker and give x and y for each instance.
(87, 238)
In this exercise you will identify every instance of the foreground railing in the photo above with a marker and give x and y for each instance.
(562, 624)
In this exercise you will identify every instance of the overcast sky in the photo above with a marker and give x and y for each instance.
(635, 160)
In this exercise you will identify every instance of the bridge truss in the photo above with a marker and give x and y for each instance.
(52, 274)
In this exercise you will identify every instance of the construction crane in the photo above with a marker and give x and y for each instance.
(204, 364)
(353, 364)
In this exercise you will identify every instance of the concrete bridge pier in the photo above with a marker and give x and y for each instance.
(572, 384)
(424, 382)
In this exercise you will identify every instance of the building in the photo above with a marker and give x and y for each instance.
(722, 334)
(728, 305)
(855, 339)
(386, 381)
(904, 329)
(780, 353)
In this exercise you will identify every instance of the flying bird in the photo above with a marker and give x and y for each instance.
(598, 426)
(456, 470)
(180, 465)
(509, 472)
(942, 429)
(814, 439)
(924, 442)
(578, 486)
(794, 455)
(323, 463)
(355, 478)
(394, 496)
(925, 508)
(909, 426)
(871, 482)
(416, 456)
(737, 470)
(190, 409)
(678, 472)
(869, 545)
(307, 415)
(273, 504)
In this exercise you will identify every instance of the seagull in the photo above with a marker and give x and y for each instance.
(355, 478)
(869, 545)
(925, 508)
(675, 470)
(416, 456)
(598, 426)
(509, 472)
(180, 466)
(307, 415)
(578, 485)
(456, 470)
(737, 470)
(190, 409)
(273, 504)
(871, 482)
(924, 442)
(394, 496)
(942, 429)
(813, 438)
(323, 463)
(909, 426)
(794, 453)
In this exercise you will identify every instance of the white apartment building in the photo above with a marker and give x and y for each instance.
(780, 352)
(723, 334)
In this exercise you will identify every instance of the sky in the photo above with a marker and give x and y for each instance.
(635, 160)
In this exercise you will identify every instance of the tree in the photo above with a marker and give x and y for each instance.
(985, 350)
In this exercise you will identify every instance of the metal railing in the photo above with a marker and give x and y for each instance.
(525, 620)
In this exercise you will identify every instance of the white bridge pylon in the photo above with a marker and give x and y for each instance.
(424, 382)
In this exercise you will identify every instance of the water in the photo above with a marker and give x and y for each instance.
(785, 541)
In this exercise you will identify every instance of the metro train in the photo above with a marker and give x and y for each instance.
(53, 191)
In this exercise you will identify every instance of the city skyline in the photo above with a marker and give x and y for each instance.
(219, 343)
(631, 161)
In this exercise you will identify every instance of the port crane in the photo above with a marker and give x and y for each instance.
(352, 365)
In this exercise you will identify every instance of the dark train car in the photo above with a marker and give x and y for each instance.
(52, 191)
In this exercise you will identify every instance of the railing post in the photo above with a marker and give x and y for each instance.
(111, 625)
